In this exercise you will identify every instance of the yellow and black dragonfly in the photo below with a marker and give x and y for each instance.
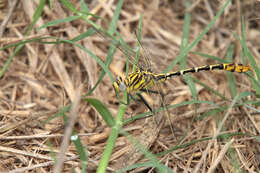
(143, 79)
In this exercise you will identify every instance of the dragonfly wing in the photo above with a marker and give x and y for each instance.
(121, 45)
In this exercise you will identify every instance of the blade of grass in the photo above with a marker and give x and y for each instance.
(83, 6)
(84, 15)
(185, 35)
(97, 59)
(251, 59)
(112, 138)
(83, 35)
(155, 162)
(59, 21)
(73, 41)
(183, 60)
(125, 49)
(230, 77)
(69, 5)
(112, 49)
(247, 52)
(234, 160)
(140, 165)
(212, 112)
(36, 16)
(188, 48)
(209, 88)
(52, 153)
(139, 37)
(81, 150)
(148, 114)
(61, 113)
(103, 111)
(203, 55)
(219, 137)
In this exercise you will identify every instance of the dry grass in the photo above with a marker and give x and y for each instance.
(43, 78)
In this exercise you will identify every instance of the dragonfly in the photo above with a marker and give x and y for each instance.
(143, 79)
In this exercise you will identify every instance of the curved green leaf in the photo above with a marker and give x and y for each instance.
(102, 110)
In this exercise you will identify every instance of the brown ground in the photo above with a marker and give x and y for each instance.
(43, 78)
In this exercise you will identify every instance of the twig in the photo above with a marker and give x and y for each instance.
(11, 4)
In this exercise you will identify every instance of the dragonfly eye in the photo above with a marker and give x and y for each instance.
(122, 86)
(119, 84)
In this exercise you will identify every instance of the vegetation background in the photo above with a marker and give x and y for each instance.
(44, 70)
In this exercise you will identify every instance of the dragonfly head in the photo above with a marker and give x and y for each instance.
(119, 84)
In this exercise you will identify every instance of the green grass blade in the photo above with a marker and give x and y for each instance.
(251, 59)
(257, 138)
(209, 88)
(187, 49)
(113, 23)
(76, 141)
(102, 110)
(203, 55)
(155, 162)
(192, 87)
(122, 108)
(184, 44)
(255, 83)
(81, 150)
(61, 113)
(36, 16)
(141, 165)
(219, 137)
(247, 52)
(185, 35)
(59, 21)
(83, 35)
(97, 59)
(112, 138)
(211, 112)
(139, 38)
(243, 94)
(51, 148)
(69, 5)
(83, 7)
(234, 160)
(230, 77)
(112, 49)
(145, 164)
(148, 114)
(51, 4)
(37, 40)
(125, 48)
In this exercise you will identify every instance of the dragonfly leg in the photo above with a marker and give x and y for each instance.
(142, 99)
(145, 102)
(162, 95)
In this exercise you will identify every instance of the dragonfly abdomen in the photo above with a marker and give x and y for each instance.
(240, 68)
